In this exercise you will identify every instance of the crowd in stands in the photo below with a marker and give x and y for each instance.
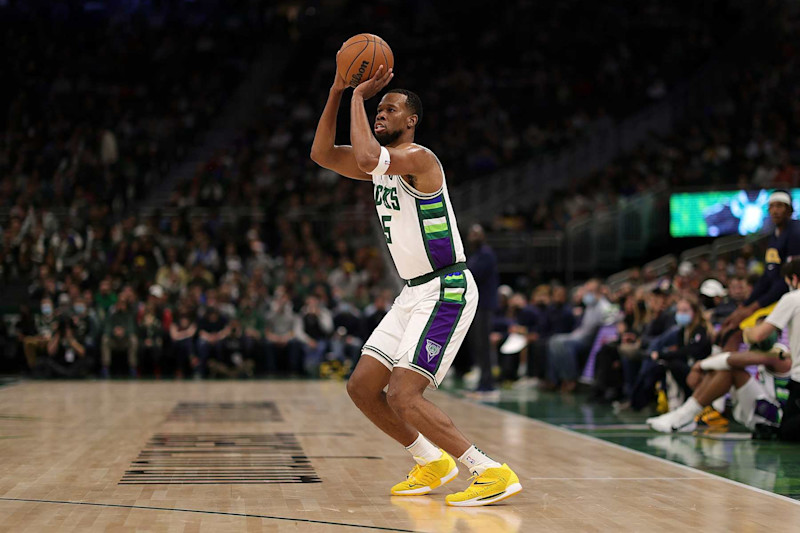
(99, 104)
(676, 316)
(182, 295)
(748, 139)
(563, 83)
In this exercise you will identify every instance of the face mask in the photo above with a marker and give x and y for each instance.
(683, 319)
(589, 299)
(47, 309)
(79, 308)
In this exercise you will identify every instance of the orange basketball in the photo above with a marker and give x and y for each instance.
(360, 57)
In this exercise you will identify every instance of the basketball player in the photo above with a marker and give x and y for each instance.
(414, 345)
(757, 400)
(782, 317)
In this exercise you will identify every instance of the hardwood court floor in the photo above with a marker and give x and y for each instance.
(297, 456)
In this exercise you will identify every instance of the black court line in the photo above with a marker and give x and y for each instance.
(245, 515)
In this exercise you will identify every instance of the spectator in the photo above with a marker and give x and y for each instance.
(284, 350)
(609, 378)
(151, 340)
(212, 330)
(316, 327)
(36, 341)
(86, 326)
(252, 339)
(560, 316)
(66, 356)
(564, 349)
(674, 351)
(120, 334)
(181, 333)
(234, 362)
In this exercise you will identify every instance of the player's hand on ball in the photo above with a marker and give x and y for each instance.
(338, 82)
(371, 87)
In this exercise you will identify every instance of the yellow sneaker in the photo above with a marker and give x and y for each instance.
(493, 485)
(423, 479)
(711, 418)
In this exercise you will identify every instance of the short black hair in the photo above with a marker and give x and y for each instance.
(791, 267)
(412, 101)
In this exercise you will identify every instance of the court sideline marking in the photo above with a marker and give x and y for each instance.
(244, 515)
(704, 475)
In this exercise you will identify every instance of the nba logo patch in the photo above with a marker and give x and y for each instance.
(433, 349)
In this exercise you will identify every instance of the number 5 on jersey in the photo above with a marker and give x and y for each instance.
(385, 219)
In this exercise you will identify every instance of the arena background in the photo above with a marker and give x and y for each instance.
(162, 220)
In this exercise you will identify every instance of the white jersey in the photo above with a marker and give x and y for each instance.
(420, 228)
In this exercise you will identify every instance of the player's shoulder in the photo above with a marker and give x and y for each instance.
(791, 296)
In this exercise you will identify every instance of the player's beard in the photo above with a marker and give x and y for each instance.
(387, 137)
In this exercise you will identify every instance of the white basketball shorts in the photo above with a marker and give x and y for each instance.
(426, 325)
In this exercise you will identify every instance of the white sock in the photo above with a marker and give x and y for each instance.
(691, 407)
(476, 461)
(424, 451)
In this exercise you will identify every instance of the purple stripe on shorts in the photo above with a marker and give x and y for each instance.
(432, 347)
(441, 252)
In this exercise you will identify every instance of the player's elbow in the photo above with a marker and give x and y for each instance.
(317, 156)
(366, 163)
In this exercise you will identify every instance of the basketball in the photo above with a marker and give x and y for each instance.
(360, 56)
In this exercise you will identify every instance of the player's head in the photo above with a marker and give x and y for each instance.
(791, 272)
(780, 207)
(399, 113)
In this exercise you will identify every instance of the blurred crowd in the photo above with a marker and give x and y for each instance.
(748, 139)
(505, 96)
(189, 294)
(544, 338)
(98, 104)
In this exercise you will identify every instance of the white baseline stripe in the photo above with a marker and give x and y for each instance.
(613, 478)
(629, 450)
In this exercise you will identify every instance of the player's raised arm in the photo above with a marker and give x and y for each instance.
(324, 152)
(398, 156)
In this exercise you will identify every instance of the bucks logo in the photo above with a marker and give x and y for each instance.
(433, 349)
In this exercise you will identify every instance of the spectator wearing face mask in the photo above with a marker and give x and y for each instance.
(675, 351)
(564, 349)
(86, 326)
(66, 355)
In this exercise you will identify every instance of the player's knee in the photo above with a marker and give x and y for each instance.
(360, 390)
(402, 401)
(355, 390)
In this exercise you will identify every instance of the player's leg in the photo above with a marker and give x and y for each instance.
(405, 397)
(682, 420)
(365, 388)
(435, 332)
(716, 384)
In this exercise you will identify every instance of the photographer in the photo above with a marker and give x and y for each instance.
(66, 356)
